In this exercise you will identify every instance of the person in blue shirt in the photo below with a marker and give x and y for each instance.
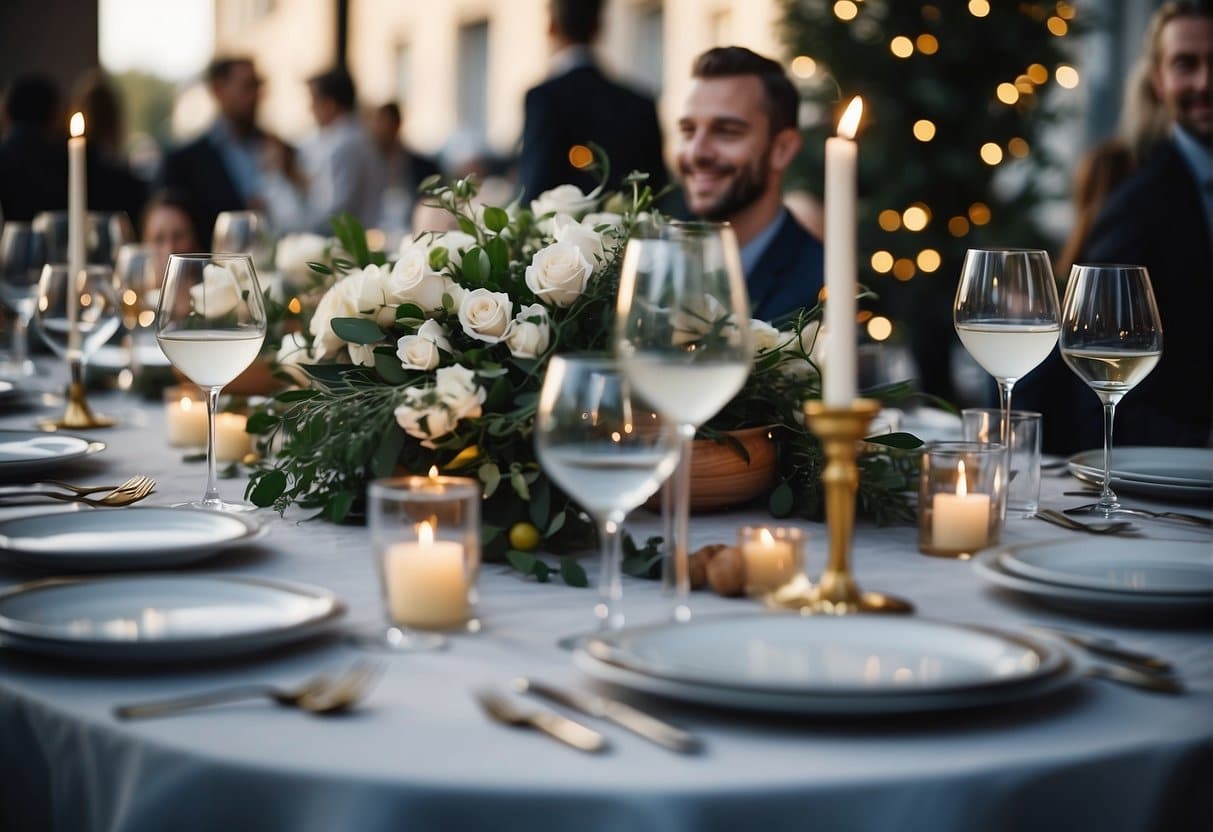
(737, 137)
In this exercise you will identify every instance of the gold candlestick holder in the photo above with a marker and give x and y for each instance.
(76, 414)
(836, 593)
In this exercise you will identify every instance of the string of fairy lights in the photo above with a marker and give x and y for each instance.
(1020, 92)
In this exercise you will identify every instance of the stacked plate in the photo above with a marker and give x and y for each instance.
(1157, 579)
(29, 453)
(852, 666)
(1163, 473)
(158, 618)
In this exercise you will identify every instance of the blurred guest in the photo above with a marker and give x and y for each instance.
(111, 185)
(33, 151)
(577, 105)
(339, 161)
(1161, 217)
(168, 228)
(737, 137)
(404, 168)
(221, 170)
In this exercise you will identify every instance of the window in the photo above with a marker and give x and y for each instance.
(473, 77)
(404, 74)
(648, 59)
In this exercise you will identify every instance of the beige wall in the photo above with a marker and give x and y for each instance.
(295, 40)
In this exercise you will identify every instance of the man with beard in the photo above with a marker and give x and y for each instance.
(1160, 218)
(738, 135)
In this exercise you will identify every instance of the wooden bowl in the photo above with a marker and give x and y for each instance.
(721, 478)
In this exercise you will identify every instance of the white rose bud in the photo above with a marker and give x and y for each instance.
(457, 388)
(766, 337)
(587, 240)
(340, 301)
(217, 294)
(486, 315)
(413, 281)
(558, 274)
(424, 422)
(294, 253)
(291, 355)
(420, 351)
(371, 288)
(563, 199)
(363, 354)
(531, 334)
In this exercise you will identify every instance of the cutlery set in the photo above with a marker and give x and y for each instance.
(113, 496)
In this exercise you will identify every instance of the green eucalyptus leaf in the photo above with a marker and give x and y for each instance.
(541, 503)
(499, 256)
(572, 572)
(269, 487)
(261, 422)
(495, 219)
(781, 501)
(357, 330)
(387, 365)
(556, 525)
(518, 483)
(524, 562)
(409, 312)
(289, 396)
(901, 440)
(388, 453)
(338, 506)
(467, 226)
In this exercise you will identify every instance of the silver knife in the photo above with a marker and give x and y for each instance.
(625, 716)
(1110, 649)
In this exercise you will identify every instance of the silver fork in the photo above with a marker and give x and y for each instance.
(1141, 512)
(1067, 522)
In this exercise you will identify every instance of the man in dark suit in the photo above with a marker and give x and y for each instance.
(1161, 218)
(221, 169)
(738, 136)
(578, 105)
(33, 154)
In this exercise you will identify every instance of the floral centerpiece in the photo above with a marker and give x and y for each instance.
(435, 360)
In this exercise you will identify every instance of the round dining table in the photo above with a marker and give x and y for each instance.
(419, 753)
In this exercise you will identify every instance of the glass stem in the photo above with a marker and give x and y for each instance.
(682, 513)
(1107, 498)
(211, 498)
(668, 579)
(20, 351)
(1005, 386)
(610, 583)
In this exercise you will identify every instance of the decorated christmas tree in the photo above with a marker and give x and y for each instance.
(956, 95)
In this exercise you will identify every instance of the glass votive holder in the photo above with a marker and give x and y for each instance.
(1023, 476)
(425, 536)
(185, 416)
(772, 557)
(958, 498)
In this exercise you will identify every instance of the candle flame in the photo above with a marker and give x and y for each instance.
(962, 489)
(849, 123)
(425, 534)
(433, 472)
(765, 536)
(187, 403)
(77, 125)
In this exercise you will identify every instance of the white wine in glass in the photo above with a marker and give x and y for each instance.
(1006, 315)
(682, 337)
(211, 325)
(1111, 337)
(607, 449)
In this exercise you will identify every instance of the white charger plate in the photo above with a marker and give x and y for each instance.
(161, 618)
(1136, 606)
(857, 665)
(1181, 473)
(1154, 567)
(27, 453)
(142, 537)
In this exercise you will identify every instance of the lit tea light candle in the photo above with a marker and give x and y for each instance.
(426, 582)
(960, 521)
(185, 419)
(232, 441)
(770, 561)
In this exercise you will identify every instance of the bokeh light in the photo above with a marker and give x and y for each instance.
(882, 262)
(991, 153)
(924, 130)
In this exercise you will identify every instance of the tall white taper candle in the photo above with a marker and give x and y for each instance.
(77, 217)
(842, 155)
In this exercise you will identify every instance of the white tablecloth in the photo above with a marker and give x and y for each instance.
(420, 755)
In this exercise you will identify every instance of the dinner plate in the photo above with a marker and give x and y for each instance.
(26, 453)
(143, 537)
(112, 358)
(857, 665)
(161, 618)
(1181, 473)
(1155, 567)
(1137, 606)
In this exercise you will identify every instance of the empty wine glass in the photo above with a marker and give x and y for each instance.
(1006, 316)
(607, 449)
(104, 234)
(22, 255)
(211, 325)
(682, 336)
(1111, 336)
(139, 286)
(243, 232)
(75, 317)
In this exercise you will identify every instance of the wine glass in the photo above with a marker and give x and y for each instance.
(243, 232)
(75, 317)
(22, 255)
(1111, 336)
(1006, 316)
(607, 449)
(211, 325)
(140, 293)
(682, 336)
(104, 234)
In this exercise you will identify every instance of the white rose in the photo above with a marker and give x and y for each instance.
(600, 218)
(766, 337)
(531, 334)
(486, 315)
(371, 292)
(292, 354)
(455, 242)
(812, 345)
(425, 422)
(563, 199)
(457, 389)
(294, 253)
(413, 281)
(363, 354)
(340, 301)
(587, 240)
(217, 294)
(559, 273)
(420, 351)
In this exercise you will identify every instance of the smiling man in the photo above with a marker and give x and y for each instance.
(738, 135)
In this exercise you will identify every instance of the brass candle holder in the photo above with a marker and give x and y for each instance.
(836, 593)
(76, 414)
